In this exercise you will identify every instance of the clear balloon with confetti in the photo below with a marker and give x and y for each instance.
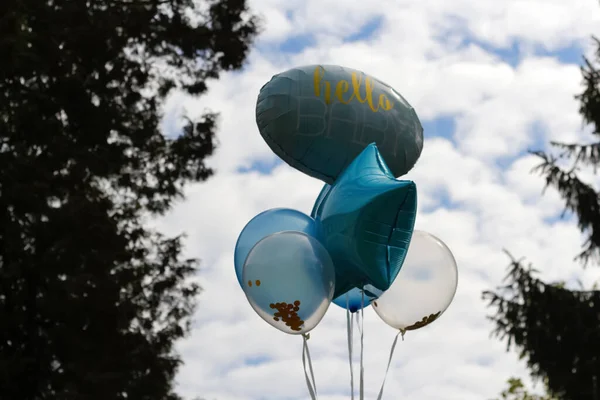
(423, 289)
(289, 280)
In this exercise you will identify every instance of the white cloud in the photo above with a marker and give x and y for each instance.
(465, 196)
(540, 90)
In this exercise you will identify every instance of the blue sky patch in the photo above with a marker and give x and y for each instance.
(297, 44)
(442, 126)
(442, 200)
(514, 54)
(263, 167)
(567, 55)
(367, 31)
(257, 360)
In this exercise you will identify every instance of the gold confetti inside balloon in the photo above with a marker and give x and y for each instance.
(291, 280)
(423, 289)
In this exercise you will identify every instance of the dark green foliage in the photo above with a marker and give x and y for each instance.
(516, 391)
(91, 301)
(555, 329)
(558, 330)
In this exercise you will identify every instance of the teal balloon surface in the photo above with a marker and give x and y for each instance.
(318, 118)
(365, 221)
(289, 281)
(353, 300)
(264, 224)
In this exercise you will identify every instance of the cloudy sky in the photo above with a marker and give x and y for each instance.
(489, 79)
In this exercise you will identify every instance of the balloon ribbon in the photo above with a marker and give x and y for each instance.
(350, 331)
(349, 328)
(362, 327)
(401, 332)
(310, 383)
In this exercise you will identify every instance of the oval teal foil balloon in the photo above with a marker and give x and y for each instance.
(318, 118)
(365, 220)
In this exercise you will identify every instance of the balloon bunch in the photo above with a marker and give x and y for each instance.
(358, 247)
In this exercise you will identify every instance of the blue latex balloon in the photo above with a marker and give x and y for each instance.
(265, 224)
(352, 300)
(318, 118)
(289, 281)
(365, 220)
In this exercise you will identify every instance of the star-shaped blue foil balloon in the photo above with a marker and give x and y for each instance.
(365, 220)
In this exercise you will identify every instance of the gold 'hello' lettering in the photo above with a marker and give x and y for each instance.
(342, 87)
(318, 77)
(384, 103)
(356, 82)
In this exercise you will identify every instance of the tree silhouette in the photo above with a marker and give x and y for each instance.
(516, 391)
(558, 330)
(91, 299)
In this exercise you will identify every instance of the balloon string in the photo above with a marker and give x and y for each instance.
(358, 323)
(312, 386)
(349, 328)
(362, 326)
(389, 362)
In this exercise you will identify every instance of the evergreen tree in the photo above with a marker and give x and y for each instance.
(91, 300)
(555, 329)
